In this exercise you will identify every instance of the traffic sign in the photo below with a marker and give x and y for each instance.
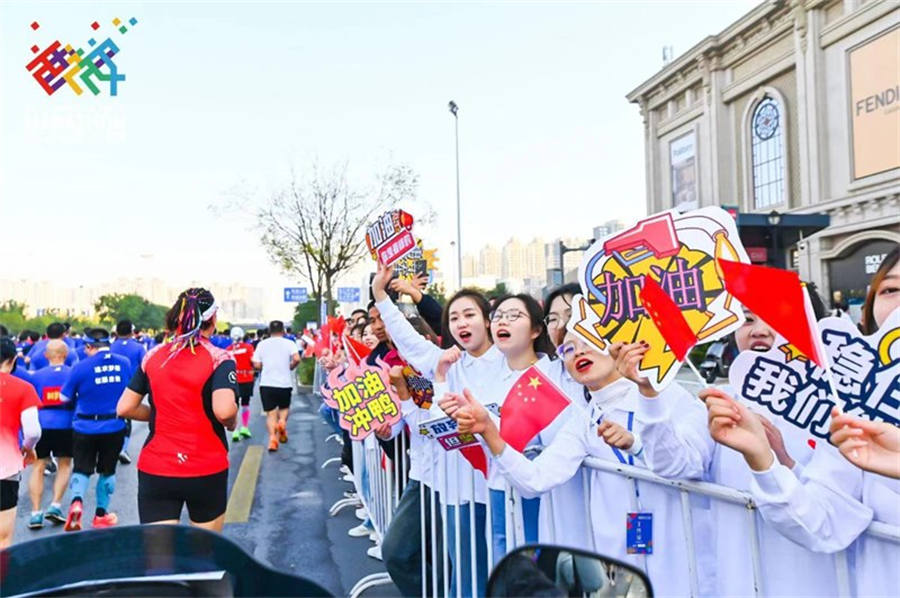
(348, 294)
(296, 295)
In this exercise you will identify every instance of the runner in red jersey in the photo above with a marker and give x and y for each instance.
(193, 388)
(18, 412)
(243, 356)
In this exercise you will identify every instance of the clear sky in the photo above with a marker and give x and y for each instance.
(223, 95)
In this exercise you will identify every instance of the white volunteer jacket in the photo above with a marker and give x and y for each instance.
(788, 569)
(611, 495)
(556, 523)
(452, 474)
(829, 507)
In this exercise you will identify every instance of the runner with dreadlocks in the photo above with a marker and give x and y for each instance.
(193, 388)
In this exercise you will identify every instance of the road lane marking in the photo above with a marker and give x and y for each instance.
(241, 499)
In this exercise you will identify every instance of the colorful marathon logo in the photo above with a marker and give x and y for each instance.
(56, 66)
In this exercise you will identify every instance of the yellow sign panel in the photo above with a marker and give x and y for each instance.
(875, 104)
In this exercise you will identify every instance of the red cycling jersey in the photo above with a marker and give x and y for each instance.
(186, 439)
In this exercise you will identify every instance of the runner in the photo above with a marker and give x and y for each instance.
(94, 386)
(243, 357)
(276, 357)
(18, 413)
(36, 359)
(56, 437)
(127, 346)
(192, 386)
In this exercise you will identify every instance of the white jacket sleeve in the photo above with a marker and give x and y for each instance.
(821, 511)
(31, 427)
(676, 441)
(553, 467)
(421, 353)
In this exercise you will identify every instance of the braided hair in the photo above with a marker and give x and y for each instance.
(185, 319)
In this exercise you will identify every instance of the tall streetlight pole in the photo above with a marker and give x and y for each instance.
(453, 110)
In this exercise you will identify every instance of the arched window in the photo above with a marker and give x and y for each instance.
(767, 153)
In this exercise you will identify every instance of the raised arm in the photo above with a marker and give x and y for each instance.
(421, 353)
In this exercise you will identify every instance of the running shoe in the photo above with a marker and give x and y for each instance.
(55, 514)
(73, 521)
(375, 552)
(36, 521)
(282, 433)
(245, 432)
(273, 444)
(236, 437)
(108, 520)
(124, 458)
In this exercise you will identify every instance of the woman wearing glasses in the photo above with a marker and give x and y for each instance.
(621, 407)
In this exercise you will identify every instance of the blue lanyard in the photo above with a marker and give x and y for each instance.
(617, 452)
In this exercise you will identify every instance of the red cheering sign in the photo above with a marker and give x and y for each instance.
(389, 238)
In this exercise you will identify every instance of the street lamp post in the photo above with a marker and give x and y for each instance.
(453, 110)
(774, 219)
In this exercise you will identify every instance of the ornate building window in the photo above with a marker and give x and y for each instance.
(767, 153)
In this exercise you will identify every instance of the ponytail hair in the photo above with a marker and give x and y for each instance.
(192, 312)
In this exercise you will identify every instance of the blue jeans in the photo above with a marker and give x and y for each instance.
(465, 549)
(330, 417)
(530, 510)
(402, 545)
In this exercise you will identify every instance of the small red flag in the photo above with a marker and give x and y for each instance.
(356, 350)
(776, 296)
(323, 341)
(531, 405)
(476, 458)
(668, 318)
(336, 324)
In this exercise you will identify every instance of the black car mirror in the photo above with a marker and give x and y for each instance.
(554, 571)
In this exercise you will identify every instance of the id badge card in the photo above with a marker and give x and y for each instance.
(639, 533)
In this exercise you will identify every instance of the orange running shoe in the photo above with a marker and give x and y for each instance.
(108, 520)
(273, 444)
(73, 521)
(282, 433)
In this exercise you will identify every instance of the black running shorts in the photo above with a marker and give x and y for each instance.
(9, 494)
(161, 498)
(57, 442)
(97, 451)
(245, 391)
(275, 398)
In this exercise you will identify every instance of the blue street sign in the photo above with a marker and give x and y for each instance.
(296, 295)
(348, 294)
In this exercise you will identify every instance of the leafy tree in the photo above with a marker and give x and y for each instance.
(12, 315)
(148, 316)
(315, 230)
(309, 312)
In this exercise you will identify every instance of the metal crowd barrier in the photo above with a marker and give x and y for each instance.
(379, 481)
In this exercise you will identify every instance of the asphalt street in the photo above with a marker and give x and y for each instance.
(278, 502)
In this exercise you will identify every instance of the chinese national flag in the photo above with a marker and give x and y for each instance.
(668, 318)
(776, 296)
(322, 342)
(476, 458)
(356, 351)
(336, 324)
(531, 405)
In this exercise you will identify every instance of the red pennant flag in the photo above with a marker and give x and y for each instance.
(323, 341)
(668, 318)
(776, 296)
(531, 405)
(476, 458)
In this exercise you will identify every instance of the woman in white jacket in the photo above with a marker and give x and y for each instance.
(466, 319)
(612, 431)
(832, 502)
